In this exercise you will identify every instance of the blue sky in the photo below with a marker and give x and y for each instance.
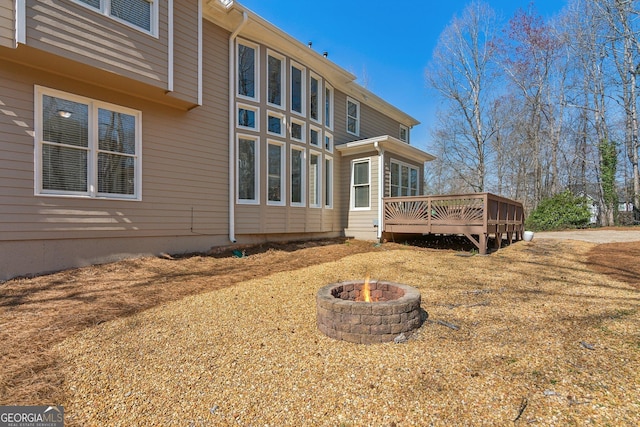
(387, 45)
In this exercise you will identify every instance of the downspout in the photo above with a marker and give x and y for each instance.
(380, 151)
(232, 145)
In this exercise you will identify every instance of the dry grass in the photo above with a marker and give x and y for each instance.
(542, 339)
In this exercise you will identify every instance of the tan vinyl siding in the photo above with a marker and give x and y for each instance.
(360, 223)
(78, 33)
(184, 165)
(7, 23)
(185, 61)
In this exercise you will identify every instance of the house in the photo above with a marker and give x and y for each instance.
(135, 128)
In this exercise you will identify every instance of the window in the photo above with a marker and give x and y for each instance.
(328, 106)
(404, 133)
(275, 173)
(361, 188)
(297, 89)
(248, 170)
(248, 117)
(315, 182)
(314, 98)
(275, 123)
(328, 182)
(297, 176)
(298, 129)
(314, 136)
(404, 180)
(141, 14)
(86, 147)
(275, 76)
(353, 117)
(247, 70)
(328, 142)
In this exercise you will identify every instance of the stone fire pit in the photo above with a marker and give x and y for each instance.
(343, 315)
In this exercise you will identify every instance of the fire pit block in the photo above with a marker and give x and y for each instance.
(341, 313)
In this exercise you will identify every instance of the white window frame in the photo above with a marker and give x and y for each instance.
(92, 149)
(357, 119)
(105, 9)
(328, 137)
(353, 186)
(328, 182)
(406, 132)
(318, 187)
(256, 141)
(283, 173)
(328, 116)
(303, 132)
(303, 89)
(283, 80)
(320, 106)
(303, 172)
(410, 167)
(283, 123)
(320, 139)
(256, 112)
(256, 70)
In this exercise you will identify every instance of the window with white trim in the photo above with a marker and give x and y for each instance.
(315, 134)
(404, 133)
(140, 14)
(315, 98)
(275, 173)
(328, 182)
(248, 117)
(297, 176)
(404, 179)
(328, 106)
(298, 130)
(86, 147)
(275, 79)
(298, 87)
(361, 184)
(247, 70)
(328, 142)
(248, 153)
(275, 123)
(353, 117)
(315, 180)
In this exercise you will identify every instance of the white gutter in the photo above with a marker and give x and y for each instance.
(380, 151)
(232, 122)
(20, 36)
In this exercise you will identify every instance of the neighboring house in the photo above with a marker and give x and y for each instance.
(149, 126)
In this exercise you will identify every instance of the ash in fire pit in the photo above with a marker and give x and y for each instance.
(367, 313)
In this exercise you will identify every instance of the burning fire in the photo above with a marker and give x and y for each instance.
(366, 293)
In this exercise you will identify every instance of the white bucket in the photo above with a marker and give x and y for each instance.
(528, 236)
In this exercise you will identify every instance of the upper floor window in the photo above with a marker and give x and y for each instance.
(247, 70)
(275, 79)
(353, 117)
(404, 133)
(86, 147)
(141, 14)
(314, 98)
(328, 106)
(297, 89)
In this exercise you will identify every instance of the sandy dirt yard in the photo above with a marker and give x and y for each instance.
(538, 333)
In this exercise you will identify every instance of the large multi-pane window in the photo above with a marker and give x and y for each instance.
(248, 183)
(86, 147)
(314, 180)
(275, 79)
(297, 176)
(247, 70)
(404, 180)
(360, 184)
(275, 173)
(297, 89)
(314, 98)
(141, 14)
(353, 117)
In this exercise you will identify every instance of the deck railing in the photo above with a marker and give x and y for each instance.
(478, 214)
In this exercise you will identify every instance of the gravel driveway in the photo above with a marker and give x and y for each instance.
(594, 236)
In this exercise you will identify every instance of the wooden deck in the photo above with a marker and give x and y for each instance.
(477, 216)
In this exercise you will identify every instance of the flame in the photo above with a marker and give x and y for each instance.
(366, 293)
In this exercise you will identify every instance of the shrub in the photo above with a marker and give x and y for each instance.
(564, 210)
